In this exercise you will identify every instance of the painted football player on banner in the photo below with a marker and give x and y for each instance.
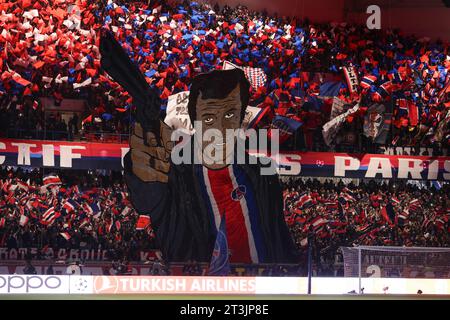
(186, 201)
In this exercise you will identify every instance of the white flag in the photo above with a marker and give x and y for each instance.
(85, 83)
(23, 220)
(177, 115)
(331, 128)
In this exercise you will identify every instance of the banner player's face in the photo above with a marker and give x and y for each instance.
(220, 114)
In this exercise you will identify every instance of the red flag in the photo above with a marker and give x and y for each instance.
(27, 92)
(50, 216)
(109, 226)
(413, 114)
(384, 214)
(88, 119)
(17, 78)
(26, 4)
(362, 215)
(142, 222)
(51, 180)
(65, 235)
(165, 94)
(160, 83)
(38, 64)
(388, 213)
(91, 72)
(23, 185)
(58, 13)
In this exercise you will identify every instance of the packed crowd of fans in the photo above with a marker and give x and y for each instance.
(50, 48)
(100, 215)
(87, 210)
(370, 213)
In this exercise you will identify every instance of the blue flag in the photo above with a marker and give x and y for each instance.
(437, 184)
(330, 89)
(220, 264)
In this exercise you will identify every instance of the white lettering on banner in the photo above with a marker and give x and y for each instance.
(379, 166)
(13, 254)
(74, 254)
(60, 254)
(295, 167)
(341, 166)
(17, 267)
(2, 158)
(147, 285)
(67, 155)
(433, 169)
(352, 79)
(447, 169)
(48, 155)
(16, 153)
(404, 168)
(4, 254)
(22, 252)
(374, 20)
(173, 285)
(406, 151)
(84, 254)
(23, 153)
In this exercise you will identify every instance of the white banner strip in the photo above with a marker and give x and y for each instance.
(149, 285)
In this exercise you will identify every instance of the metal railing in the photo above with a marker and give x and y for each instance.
(36, 134)
(105, 137)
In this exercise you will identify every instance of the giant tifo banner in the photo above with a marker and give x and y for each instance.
(88, 155)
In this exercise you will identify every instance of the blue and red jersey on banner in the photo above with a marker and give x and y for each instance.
(229, 190)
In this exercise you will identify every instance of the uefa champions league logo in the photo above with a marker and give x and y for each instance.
(81, 285)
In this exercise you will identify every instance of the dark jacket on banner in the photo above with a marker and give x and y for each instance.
(181, 220)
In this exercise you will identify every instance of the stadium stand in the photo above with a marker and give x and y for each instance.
(54, 53)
